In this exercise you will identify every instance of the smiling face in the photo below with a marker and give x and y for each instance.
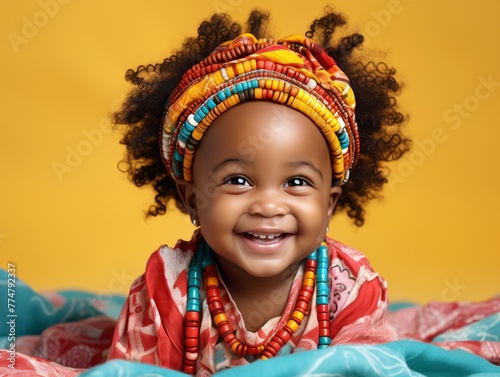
(261, 188)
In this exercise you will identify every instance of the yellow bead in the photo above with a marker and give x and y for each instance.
(220, 318)
(300, 94)
(240, 69)
(218, 78)
(298, 315)
(292, 325)
(309, 275)
(235, 345)
(168, 127)
(230, 72)
(212, 280)
(232, 101)
(253, 64)
(308, 282)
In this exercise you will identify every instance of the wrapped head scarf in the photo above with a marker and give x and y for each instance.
(293, 71)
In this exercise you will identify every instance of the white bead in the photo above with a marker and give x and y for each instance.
(191, 121)
(311, 84)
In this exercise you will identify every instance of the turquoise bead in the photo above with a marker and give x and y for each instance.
(343, 139)
(211, 104)
(322, 300)
(198, 116)
(204, 110)
(194, 282)
(322, 287)
(322, 276)
(177, 156)
(193, 307)
(221, 95)
(324, 341)
(194, 273)
(193, 293)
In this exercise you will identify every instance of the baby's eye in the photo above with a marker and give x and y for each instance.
(297, 181)
(237, 180)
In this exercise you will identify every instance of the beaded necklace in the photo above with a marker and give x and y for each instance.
(315, 276)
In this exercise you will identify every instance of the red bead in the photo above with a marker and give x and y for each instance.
(239, 347)
(278, 340)
(300, 77)
(306, 296)
(210, 269)
(307, 288)
(301, 306)
(189, 362)
(267, 354)
(189, 369)
(323, 316)
(324, 332)
(229, 338)
(323, 324)
(191, 342)
(192, 316)
(269, 65)
(252, 350)
(271, 350)
(192, 332)
(215, 305)
(284, 335)
(311, 263)
(244, 350)
(275, 345)
(217, 312)
(213, 292)
(192, 349)
(212, 299)
(224, 329)
(322, 308)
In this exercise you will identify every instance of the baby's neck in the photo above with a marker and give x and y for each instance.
(267, 296)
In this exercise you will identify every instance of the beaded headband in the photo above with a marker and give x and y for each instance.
(293, 71)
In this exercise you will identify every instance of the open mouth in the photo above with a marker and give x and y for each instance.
(265, 238)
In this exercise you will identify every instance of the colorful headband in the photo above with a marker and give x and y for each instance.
(293, 71)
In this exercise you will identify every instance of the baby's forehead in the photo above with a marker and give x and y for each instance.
(264, 134)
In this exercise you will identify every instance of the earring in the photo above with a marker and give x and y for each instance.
(327, 229)
(195, 222)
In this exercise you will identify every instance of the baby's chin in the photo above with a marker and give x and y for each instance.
(268, 270)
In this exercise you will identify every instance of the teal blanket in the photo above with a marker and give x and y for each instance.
(34, 314)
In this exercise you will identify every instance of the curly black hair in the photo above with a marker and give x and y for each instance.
(374, 84)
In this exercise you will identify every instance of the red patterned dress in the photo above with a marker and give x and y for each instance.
(150, 328)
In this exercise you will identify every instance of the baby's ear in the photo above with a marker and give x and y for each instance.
(187, 193)
(335, 192)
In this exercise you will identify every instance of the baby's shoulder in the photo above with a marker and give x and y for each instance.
(344, 256)
(171, 260)
(166, 269)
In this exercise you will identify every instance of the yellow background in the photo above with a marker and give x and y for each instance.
(435, 235)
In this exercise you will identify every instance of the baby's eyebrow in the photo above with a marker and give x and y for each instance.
(300, 163)
(229, 161)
